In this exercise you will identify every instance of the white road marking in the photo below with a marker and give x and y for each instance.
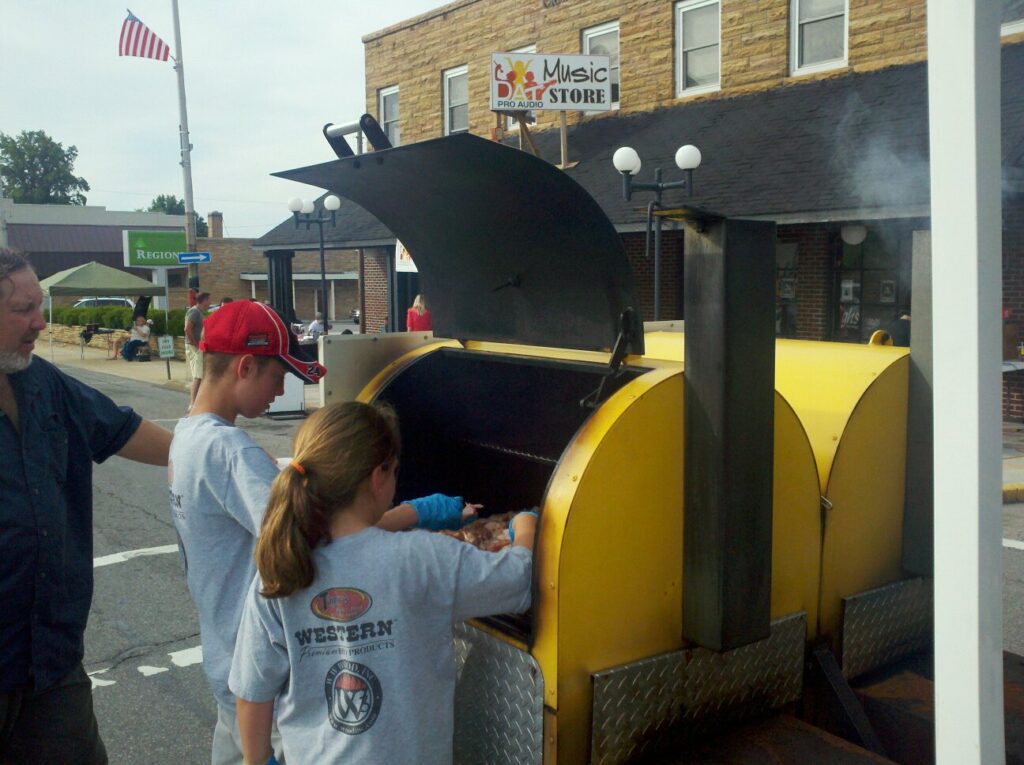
(121, 557)
(1014, 543)
(96, 682)
(187, 657)
(147, 671)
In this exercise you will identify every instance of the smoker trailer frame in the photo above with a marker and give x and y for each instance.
(551, 395)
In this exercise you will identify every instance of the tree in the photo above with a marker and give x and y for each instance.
(35, 169)
(168, 203)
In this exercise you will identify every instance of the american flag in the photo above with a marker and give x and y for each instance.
(138, 40)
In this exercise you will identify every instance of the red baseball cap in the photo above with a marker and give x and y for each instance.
(245, 326)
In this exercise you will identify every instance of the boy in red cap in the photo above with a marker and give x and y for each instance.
(220, 481)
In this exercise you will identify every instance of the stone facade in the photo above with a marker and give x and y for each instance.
(755, 51)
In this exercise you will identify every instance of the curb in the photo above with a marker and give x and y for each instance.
(1013, 492)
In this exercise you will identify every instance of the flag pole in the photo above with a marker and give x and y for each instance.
(186, 146)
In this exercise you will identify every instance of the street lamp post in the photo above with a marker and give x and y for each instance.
(627, 162)
(302, 212)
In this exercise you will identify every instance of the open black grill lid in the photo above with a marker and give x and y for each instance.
(508, 247)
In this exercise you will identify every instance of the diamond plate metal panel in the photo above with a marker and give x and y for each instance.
(635, 703)
(886, 624)
(499, 702)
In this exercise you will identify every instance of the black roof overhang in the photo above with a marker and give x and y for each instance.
(508, 247)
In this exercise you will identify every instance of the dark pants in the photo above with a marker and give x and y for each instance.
(130, 349)
(56, 726)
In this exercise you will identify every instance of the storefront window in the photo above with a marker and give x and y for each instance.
(871, 286)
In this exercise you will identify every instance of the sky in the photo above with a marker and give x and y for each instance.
(262, 77)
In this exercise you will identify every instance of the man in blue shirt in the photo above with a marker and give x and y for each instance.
(52, 428)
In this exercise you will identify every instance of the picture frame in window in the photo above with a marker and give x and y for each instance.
(887, 291)
(787, 288)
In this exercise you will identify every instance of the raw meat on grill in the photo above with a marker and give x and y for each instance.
(490, 533)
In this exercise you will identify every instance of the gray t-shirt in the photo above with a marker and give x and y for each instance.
(219, 483)
(363, 658)
(195, 316)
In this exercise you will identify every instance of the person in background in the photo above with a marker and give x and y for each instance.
(194, 318)
(390, 678)
(138, 337)
(417, 318)
(899, 329)
(52, 428)
(315, 328)
(226, 300)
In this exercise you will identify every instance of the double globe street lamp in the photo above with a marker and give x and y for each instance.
(627, 162)
(302, 212)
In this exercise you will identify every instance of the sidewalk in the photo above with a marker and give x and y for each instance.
(154, 372)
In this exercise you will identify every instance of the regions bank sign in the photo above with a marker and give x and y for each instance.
(529, 81)
(153, 249)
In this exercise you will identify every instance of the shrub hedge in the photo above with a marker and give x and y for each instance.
(116, 317)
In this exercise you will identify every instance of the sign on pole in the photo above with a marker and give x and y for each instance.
(193, 257)
(531, 81)
(153, 249)
(165, 349)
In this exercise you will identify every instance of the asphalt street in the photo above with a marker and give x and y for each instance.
(142, 643)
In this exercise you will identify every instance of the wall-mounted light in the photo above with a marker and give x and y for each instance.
(853, 233)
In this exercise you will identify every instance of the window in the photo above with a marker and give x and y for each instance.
(387, 108)
(1013, 17)
(456, 100)
(513, 124)
(698, 32)
(818, 40)
(604, 41)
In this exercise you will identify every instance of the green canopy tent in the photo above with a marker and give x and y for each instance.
(96, 279)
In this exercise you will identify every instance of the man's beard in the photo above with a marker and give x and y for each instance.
(11, 362)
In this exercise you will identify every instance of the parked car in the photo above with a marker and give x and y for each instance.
(98, 302)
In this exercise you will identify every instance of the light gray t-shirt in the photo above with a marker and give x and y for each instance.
(363, 658)
(194, 315)
(219, 482)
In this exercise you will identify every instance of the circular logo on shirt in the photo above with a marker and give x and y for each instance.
(341, 604)
(353, 697)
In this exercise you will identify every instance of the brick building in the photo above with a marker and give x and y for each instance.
(811, 114)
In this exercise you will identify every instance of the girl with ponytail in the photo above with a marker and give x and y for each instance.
(348, 626)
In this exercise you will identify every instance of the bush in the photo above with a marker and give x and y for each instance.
(117, 317)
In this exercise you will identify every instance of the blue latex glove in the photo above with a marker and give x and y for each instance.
(511, 533)
(272, 760)
(438, 511)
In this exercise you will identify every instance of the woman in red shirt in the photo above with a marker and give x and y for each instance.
(417, 318)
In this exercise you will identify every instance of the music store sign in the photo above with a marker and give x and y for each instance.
(532, 81)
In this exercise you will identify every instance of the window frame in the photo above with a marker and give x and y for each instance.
(391, 90)
(512, 124)
(794, 43)
(682, 7)
(601, 29)
(447, 76)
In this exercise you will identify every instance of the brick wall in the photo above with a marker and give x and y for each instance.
(375, 287)
(815, 245)
(231, 257)
(671, 274)
(754, 50)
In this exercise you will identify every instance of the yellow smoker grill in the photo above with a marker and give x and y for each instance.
(547, 397)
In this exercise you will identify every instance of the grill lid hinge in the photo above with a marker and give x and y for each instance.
(626, 332)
